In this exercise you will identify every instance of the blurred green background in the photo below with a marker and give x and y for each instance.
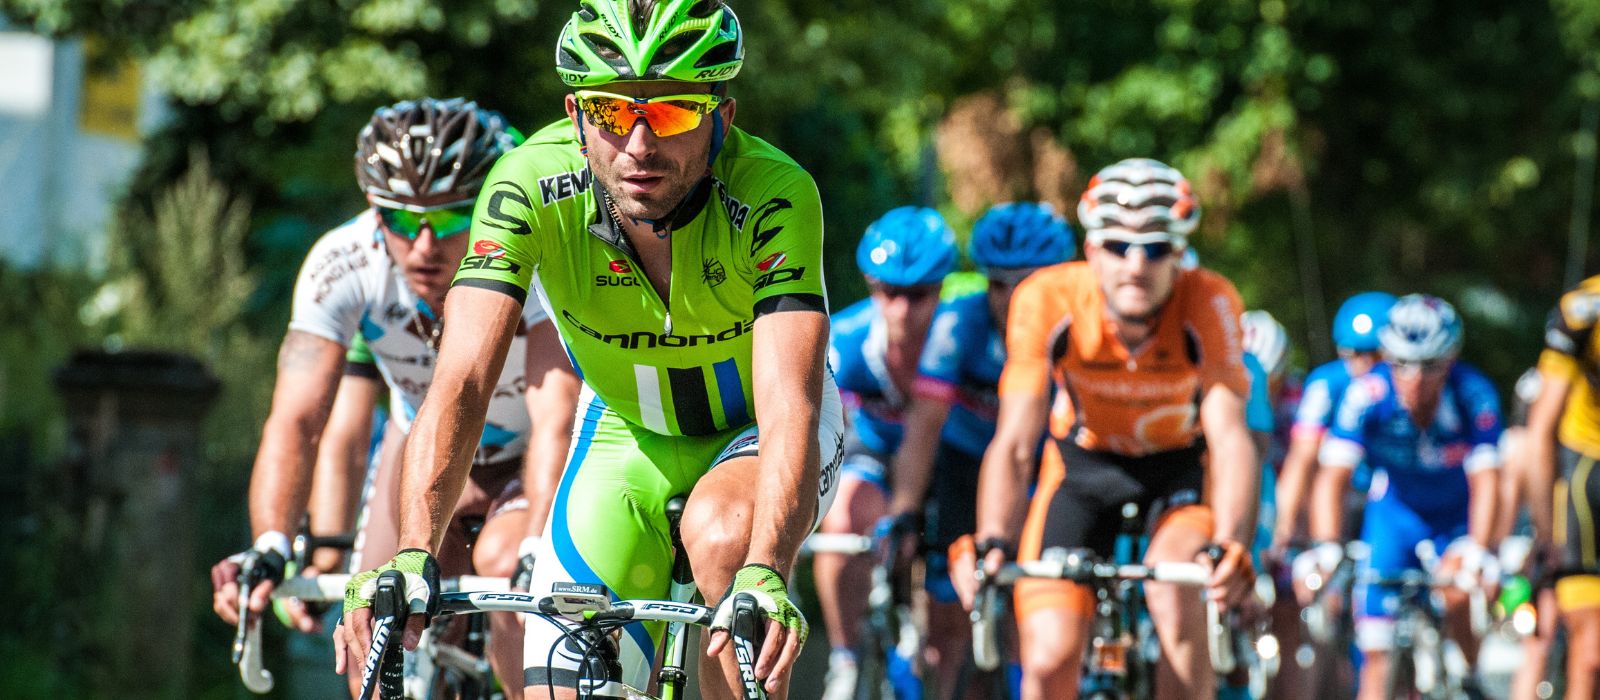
(1412, 145)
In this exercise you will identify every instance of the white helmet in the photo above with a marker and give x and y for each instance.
(1421, 328)
(1267, 340)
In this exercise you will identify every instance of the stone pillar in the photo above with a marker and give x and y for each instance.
(135, 421)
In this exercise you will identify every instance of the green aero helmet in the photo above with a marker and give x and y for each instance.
(696, 41)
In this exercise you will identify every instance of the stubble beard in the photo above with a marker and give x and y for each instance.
(655, 205)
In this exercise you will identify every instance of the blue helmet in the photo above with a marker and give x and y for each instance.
(1356, 325)
(1020, 235)
(907, 246)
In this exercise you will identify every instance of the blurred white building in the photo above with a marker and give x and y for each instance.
(70, 129)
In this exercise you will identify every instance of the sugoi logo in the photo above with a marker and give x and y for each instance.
(489, 248)
(621, 267)
(774, 260)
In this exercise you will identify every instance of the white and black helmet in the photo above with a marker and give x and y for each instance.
(1267, 340)
(1139, 195)
(1421, 328)
(430, 154)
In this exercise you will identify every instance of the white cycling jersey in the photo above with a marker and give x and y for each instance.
(349, 284)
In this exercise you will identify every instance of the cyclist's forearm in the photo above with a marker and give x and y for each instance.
(1293, 481)
(785, 508)
(912, 465)
(302, 397)
(1327, 502)
(1005, 471)
(1539, 449)
(541, 467)
(552, 400)
(342, 457)
(1484, 489)
(435, 464)
(280, 482)
(1233, 503)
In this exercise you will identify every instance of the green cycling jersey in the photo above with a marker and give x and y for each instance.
(746, 242)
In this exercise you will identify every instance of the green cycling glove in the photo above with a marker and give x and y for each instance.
(766, 585)
(421, 573)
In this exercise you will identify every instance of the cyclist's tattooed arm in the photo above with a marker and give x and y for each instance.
(308, 375)
(789, 351)
(444, 435)
(552, 402)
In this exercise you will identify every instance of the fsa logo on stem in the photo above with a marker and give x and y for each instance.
(772, 261)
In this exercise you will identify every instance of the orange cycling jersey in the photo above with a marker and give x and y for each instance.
(1110, 398)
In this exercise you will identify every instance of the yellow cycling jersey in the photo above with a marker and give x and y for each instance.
(1572, 350)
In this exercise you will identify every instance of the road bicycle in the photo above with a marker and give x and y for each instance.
(1120, 659)
(589, 619)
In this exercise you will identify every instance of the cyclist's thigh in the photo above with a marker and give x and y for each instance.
(736, 469)
(1076, 505)
(951, 513)
(1580, 538)
(378, 536)
(607, 525)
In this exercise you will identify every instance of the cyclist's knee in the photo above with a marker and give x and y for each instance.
(1052, 644)
(857, 508)
(1183, 532)
(495, 553)
(716, 536)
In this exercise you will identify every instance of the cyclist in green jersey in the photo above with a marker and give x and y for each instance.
(680, 258)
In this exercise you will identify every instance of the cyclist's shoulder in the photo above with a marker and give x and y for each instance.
(355, 246)
(1368, 390)
(853, 320)
(1203, 290)
(548, 167)
(1073, 283)
(1579, 308)
(1471, 381)
(1332, 374)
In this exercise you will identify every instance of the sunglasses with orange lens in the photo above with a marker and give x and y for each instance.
(668, 115)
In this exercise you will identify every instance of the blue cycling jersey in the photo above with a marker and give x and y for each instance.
(961, 365)
(1426, 467)
(1258, 407)
(856, 352)
(1323, 388)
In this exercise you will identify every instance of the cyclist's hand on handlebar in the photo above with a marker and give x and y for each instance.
(301, 616)
(354, 635)
(901, 535)
(261, 566)
(1232, 576)
(1319, 561)
(963, 560)
(786, 626)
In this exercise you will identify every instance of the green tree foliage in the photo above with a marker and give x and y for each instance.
(1419, 145)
